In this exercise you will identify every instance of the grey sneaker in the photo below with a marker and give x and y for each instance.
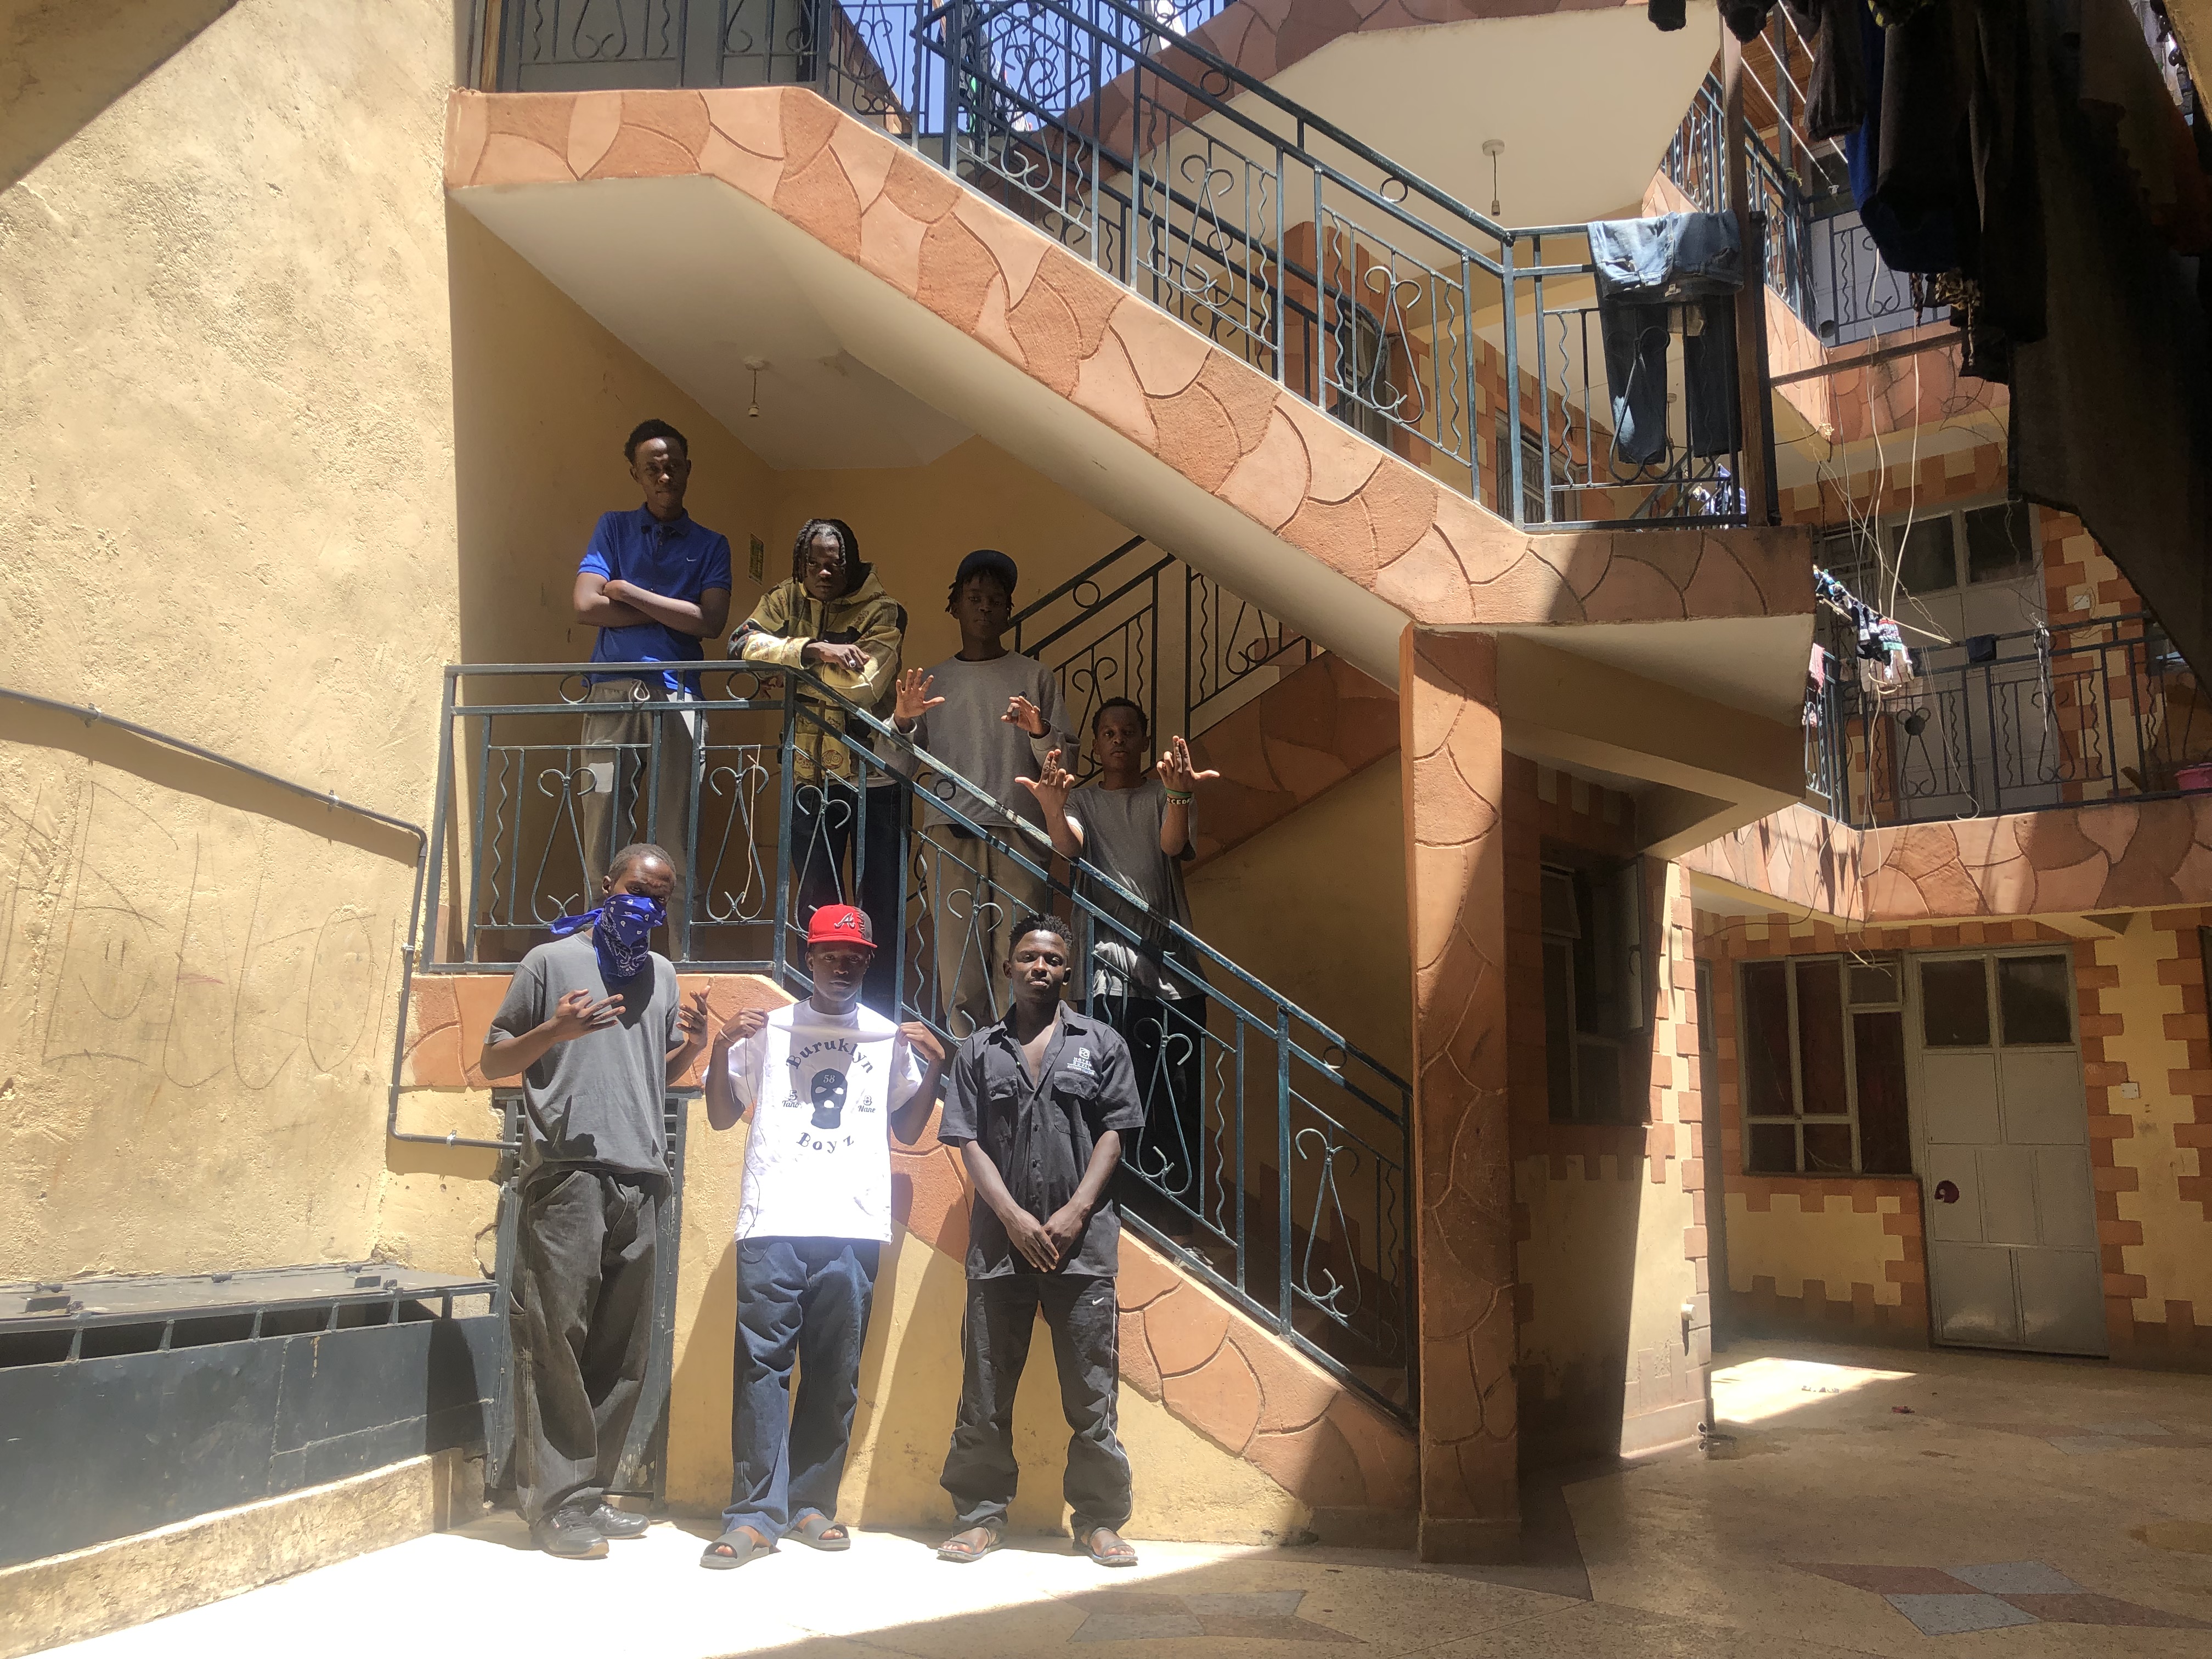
(568, 1532)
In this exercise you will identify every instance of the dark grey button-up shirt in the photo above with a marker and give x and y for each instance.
(1040, 1132)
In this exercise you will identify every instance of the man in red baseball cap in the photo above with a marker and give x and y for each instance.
(822, 1080)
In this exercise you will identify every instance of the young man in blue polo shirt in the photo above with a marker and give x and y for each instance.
(655, 582)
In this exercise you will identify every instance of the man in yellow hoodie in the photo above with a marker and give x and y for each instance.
(832, 619)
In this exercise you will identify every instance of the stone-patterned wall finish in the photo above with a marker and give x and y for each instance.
(1865, 1296)
(1456, 868)
(2143, 1014)
(1208, 1363)
(1304, 735)
(1426, 549)
(2140, 1185)
(2127, 855)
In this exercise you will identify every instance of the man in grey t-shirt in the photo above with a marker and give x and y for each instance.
(1137, 825)
(594, 1024)
(991, 715)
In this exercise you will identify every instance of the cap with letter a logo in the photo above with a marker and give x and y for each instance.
(842, 924)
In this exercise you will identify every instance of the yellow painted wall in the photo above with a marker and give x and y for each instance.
(916, 523)
(1186, 1487)
(2175, 1256)
(225, 494)
(1806, 1235)
(1314, 905)
(543, 397)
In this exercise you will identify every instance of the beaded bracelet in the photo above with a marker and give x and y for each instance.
(1178, 796)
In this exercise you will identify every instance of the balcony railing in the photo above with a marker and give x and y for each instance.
(1457, 342)
(1274, 1162)
(1142, 624)
(1820, 260)
(2072, 715)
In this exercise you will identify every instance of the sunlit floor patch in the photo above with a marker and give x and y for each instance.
(1760, 1389)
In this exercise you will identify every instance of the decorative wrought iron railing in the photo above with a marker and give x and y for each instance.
(1820, 260)
(1423, 324)
(1142, 624)
(2075, 712)
(1274, 1162)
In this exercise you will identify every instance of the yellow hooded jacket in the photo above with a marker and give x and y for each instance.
(788, 618)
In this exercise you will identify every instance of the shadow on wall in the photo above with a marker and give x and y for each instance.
(197, 978)
(62, 64)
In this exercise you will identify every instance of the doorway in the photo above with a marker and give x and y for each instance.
(2001, 1138)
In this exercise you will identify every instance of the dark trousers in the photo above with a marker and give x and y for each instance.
(825, 827)
(582, 1321)
(804, 1300)
(1635, 338)
(1167, 1052)
(980, 1471)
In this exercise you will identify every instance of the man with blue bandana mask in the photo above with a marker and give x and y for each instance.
(596, 1028)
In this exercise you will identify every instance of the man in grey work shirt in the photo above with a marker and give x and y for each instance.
(991, 715)
(596, 1028)
(1038, 1105)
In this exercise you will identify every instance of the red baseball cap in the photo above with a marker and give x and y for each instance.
(841, 924)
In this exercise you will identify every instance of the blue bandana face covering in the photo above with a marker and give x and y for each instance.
(620, 928)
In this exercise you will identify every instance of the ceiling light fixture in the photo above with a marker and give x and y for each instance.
(755, 364)
(1493, 148)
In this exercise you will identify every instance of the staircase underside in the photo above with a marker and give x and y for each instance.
(980, 316)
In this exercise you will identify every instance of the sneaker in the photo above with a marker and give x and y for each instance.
(619, 1523)
(570, 1532)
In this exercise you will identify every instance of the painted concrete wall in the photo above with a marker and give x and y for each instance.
(227, 493)
(1311, 904)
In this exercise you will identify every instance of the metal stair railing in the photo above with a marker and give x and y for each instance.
(1275, 1162)
(1142, 624)
(1349, 280)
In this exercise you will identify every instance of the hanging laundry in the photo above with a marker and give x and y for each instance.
(1668, 15)
(1746, 18)
(1981, 647)
(1835, 101)
(1643, 266)
(1817, 669)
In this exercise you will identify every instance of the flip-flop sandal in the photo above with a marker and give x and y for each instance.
(951, 1550)
(1122, 1556)
(819, 1532)
(734, 1548)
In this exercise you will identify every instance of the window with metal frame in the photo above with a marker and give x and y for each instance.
(1822, 1048)
(1535, 477)
(1593, 993)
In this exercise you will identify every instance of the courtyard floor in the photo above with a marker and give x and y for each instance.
(1861, 1501)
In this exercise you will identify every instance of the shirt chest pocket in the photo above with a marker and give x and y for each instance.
(1074, 1099)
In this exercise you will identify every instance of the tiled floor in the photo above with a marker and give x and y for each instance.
(1864, 1504)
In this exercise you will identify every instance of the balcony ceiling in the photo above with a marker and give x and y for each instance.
(1586, 102)
(701, 304)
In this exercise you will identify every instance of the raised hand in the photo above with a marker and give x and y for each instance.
(692, 1020)
(914, 698)
(1051, 786)
(1021, 712)
(1175, 769)
(745, 1023)
(916, 1038)
(576, 1015)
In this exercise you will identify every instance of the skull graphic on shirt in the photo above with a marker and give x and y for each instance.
(828, 1090)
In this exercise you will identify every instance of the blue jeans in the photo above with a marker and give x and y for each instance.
(803, 1299)
(1646, 268)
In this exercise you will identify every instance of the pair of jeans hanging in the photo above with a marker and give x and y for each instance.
(1645, 267)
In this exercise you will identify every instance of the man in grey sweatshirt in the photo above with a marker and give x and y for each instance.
(991, 716)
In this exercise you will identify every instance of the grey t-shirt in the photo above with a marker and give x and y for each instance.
(1122, 835)
(593, 1103)
(969, 736)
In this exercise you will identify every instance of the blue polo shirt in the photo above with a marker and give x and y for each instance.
(678, 560)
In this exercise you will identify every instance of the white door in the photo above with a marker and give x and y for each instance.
(2001, 1135)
